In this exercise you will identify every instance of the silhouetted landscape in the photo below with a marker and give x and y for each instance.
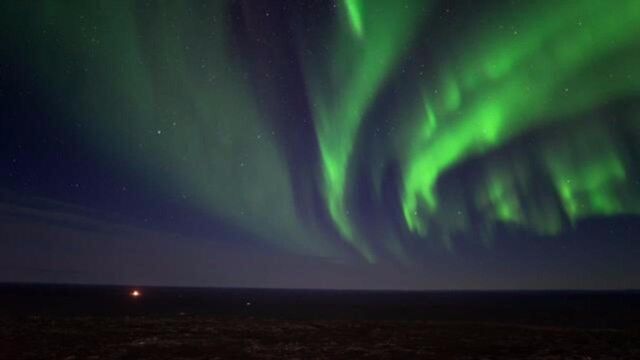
(91, 322)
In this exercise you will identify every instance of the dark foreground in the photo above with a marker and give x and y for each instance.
(210, 338)
(104, 323)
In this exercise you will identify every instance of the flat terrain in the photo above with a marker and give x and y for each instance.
(215, 337)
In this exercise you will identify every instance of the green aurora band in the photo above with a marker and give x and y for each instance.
(179, 109)
(551, 65)
(161, 90)
(371, 36)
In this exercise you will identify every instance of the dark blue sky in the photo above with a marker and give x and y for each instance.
(330, 144)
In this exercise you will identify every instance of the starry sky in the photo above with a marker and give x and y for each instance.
(405, 144)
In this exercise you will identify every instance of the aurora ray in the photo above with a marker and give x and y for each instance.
(364, 50)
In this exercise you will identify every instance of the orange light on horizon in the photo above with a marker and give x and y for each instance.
(135, 293)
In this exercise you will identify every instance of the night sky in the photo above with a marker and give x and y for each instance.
(405, 144)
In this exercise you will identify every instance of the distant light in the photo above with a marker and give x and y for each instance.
(248, 303)
(135, 293)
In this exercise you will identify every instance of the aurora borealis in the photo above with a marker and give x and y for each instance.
(372, 133)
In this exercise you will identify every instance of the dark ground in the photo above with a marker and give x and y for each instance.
(104, 323)
(186, 337)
